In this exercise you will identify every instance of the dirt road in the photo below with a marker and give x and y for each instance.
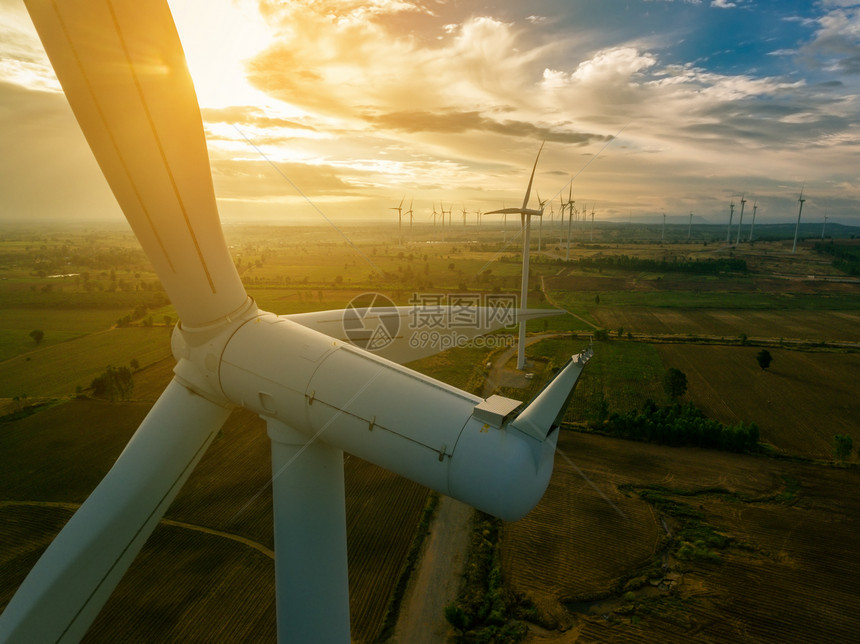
(436, 580)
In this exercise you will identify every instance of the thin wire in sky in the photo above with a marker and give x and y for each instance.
(307, 199)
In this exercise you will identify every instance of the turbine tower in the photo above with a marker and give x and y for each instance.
(690, 228)
(409, 212)
(571, 205)
(800, 201)
(731, 216)
(594, 203)
(663, 234)
(740, 221)
(399, 209)
(131, 93)
(752, 225)
(824, 225)
(526, 215)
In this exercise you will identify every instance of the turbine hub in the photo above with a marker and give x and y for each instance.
(198, 351)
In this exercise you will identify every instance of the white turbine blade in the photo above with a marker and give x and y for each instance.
(504, 211)
(413, 332)
(546, 410)
(123, 71)
(531, 179)
(64, 592)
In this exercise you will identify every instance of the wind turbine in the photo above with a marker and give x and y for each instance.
(752, 225)
(731, 215)
(740, 221)
(824, 225)
(465, 212)
(131, 93)
(526, 215)
(571, 207)
(540, 222)
(800, 201)
(690, 228)
(409, 212)
(594, 203)
(663, 233)
(399, 209)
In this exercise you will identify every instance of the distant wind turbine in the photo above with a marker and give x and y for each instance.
(409, 212)
(399, 210)
(740, 220)
(731, 216)
(752, 225)
(690, 228)
(570, 208)
(800, 201)
(663, 234)
(526, 215)
(594, 203)
(824, 225)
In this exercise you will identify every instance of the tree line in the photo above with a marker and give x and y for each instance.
(698, 266)
(846, 257)
(682, 425)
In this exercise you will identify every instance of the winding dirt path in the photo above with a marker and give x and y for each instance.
(177, 524)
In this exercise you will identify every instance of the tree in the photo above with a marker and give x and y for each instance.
(763, 357)
(37, 335)
(842, 446)
(115, 383)
(674, 383)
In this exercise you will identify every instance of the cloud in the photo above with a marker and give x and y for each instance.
(835, 45)
(452, 122)
(22, 60)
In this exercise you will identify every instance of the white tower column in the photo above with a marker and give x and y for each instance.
(310, 538)
(524, 294)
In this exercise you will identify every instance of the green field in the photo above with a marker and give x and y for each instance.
(57, 370)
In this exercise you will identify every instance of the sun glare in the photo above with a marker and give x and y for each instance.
(219, 37)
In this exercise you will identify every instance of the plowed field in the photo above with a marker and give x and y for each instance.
(788, 571)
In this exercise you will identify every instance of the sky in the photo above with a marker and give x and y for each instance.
(340, 109)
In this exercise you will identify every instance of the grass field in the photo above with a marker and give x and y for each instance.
(56, 370)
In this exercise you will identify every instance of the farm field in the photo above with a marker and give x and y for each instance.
(574, 555)
(55, 371)
(799, 403)
(831, 326)
(603, 563)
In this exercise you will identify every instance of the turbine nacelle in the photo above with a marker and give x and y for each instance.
(486, 453)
